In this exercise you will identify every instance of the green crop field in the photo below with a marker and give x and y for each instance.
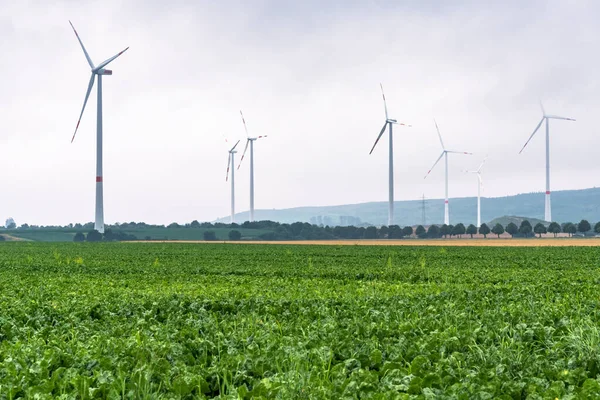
(153, 320)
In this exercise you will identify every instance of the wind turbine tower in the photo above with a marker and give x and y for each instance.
(99, 71)
(250, 141)
(547, 118)
(388, 124)
(479, 187)
(230, 163)
(445, 155)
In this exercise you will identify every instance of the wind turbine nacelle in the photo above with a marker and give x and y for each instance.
(103, 71)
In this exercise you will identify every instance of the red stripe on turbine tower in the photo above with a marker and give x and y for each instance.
(446, 201)
(547, 192)
(98, 179)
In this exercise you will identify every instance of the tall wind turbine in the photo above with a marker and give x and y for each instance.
(445, 155)
(250, 141)
(479, 186)
(230, 163)
(548, 207)
(388, 124)
(100, 71)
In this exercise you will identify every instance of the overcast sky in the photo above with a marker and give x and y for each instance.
(307, 75)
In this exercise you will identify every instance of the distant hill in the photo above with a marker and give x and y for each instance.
(567, 206)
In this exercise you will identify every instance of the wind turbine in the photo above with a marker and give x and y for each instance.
(230, 163)
(388, 124)
(479, 186)
(250, 141)
(100, 71)
(548, 208)
(445, 155)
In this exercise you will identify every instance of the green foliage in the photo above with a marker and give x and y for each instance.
(569, 228)
(484, 230)
(79, 237)
(433, 232)
(539, 228)
(471, 230)
(584, 226)
(420, 231)
(525, 229)
(94, 236)
(459, 229)
(597, 227)
(152, 320)
(407, 230)
(512, 229)
(554, 228)
(209, 235)
(234, 234)
(394, 232)
(370, 232)
(445, 230)
(498, 229)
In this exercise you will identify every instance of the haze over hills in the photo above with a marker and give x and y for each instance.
(567, 206)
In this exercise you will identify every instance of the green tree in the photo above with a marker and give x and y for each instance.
(79, 237)
(2, 238)
(471, 230)
(394, 232)
(570, 228)
(370, 233)
(584, 226)
(459, 229)
(209, 235)
(94, 236)
(234, 234)
(194, 224)
(420, 231)
(512, 229)
(498, 229)
(384, 232)
(597, 227)
(445, 230)
(525, 228)
(554, 228)
(433, 231)
(539, 228)
(407, 230)
(485, 230)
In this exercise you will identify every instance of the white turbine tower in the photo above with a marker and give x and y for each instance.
(445, 155)
(230, 163)
(250, 141)
(479, 186)
(100, 71)
(388, 124)
(548, 207)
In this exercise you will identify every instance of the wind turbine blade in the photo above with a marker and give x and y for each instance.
(236, 143)
(534, 131)
(459, 152)
(557, 117)
(434, 164)
(228, 164)
(244, 153)
(87, 95)
(245, 128)
(261, 137)
(379, 137)
(439, 135)
(384, 102)
(542, 107)
(402, 123)
(105, 63)
(87, 56)
(480, 166)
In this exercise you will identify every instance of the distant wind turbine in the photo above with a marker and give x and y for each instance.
(445, 155)
(230, 163)
(250, 141)
(100, 71)
(548, 207)
(388, 124)
(479, 186)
